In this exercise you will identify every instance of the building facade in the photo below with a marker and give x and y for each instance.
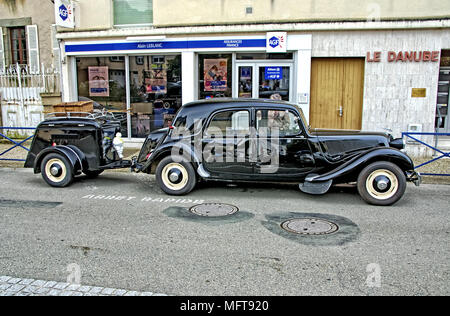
(29, 60)
(380, 65)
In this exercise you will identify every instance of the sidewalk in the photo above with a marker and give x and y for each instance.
(10, 286)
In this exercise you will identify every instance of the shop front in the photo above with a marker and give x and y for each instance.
(145, 81)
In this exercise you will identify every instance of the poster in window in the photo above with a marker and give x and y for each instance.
(157, 83)
(215, 74)
(98, 81)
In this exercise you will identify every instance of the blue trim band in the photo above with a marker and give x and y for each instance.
(190, 44)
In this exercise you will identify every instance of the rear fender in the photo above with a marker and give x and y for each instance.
(169, 149)
(353, 167)
(72, 153)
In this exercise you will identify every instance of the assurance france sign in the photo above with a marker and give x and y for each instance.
(64, 15)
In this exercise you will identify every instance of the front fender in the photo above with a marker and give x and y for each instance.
(72, 154)
(353, 167)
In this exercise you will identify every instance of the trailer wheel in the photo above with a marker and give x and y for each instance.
(56, 170)
(175, 176)
(382, 183)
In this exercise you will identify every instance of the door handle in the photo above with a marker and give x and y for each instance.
(341, 111)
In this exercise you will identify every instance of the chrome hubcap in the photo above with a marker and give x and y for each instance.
(382, 184)
(174, 176)
(55, 170)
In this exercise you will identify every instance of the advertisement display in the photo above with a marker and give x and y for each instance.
(98, 81)
(215, 74)
(157, 83)
(273, 73)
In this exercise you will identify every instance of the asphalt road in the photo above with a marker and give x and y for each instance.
(124, 232)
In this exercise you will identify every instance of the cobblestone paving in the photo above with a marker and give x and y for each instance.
(10, 286)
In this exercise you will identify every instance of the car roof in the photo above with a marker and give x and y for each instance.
(236, 103)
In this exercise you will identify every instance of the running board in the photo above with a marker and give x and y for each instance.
(315, 188)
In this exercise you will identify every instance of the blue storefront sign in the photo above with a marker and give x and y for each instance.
(184, 44)
(273, 73)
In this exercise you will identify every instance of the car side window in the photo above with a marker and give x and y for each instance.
(285, 121)
(231, 122)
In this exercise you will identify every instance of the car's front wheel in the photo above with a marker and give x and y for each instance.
(175, 176)
(381, 183)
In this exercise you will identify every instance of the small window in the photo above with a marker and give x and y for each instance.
(285, 121)
(230, 122)
(18, 45)
(133, 12)
(140, 60)
(158, 59)
(117, 59)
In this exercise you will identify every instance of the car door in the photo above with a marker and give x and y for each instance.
(226, 144)
(283, 148)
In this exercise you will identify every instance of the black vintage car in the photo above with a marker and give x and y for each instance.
(229, 140)
(234, 140)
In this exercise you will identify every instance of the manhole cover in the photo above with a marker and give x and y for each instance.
(310, 226)
(213, 209)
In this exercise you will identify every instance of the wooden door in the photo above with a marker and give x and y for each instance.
(337, 88)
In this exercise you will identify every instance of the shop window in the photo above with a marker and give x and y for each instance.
(274, 83)
(155, 86)
(133, 12)
(103, 81)
(215, 76)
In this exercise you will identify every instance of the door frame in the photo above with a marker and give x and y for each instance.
(255, 64)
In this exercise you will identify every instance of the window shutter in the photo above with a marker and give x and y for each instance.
(33, 47)
(2, 52)
(55, 45)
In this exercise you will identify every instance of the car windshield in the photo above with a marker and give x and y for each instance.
(307, 127)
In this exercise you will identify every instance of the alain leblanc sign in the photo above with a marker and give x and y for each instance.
(186, 44)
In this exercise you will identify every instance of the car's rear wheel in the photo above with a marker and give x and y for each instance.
(56, 170)
(175, 176)
(382, 183)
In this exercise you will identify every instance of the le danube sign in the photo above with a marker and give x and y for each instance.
(411, 56)
(64, 15)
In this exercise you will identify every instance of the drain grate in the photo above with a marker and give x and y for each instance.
(214, 209)
(310, 226)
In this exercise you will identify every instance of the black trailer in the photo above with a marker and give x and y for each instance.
(69, 144)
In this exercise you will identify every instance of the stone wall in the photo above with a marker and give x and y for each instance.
(388, 102)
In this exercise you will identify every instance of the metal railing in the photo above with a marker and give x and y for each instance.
(443, 154)
(23, 85)
(15, 143)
